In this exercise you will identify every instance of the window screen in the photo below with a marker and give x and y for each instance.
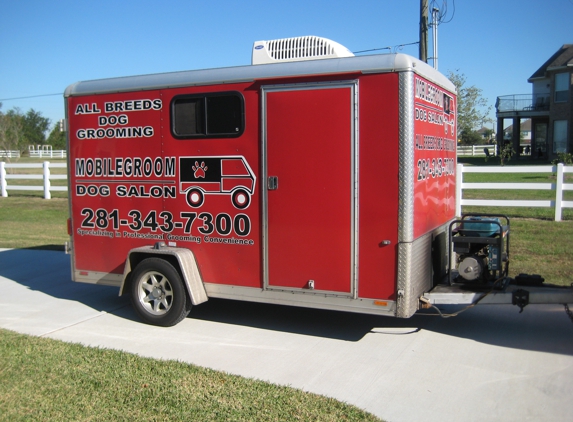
(208, 115)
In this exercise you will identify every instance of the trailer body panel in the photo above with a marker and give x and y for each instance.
(316, 183)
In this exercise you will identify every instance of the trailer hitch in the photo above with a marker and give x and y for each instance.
(520, 298)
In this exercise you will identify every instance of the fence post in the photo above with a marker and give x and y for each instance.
(559, 192)
(47, 194)
(459, 180)
(3, 179)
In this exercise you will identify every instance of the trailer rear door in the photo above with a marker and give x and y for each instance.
(309, 147)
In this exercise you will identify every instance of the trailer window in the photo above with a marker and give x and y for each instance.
(189, 117)
(208, 115)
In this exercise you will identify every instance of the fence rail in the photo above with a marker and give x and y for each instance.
(57, 153)
(473, 150)
(46, 176)
(479, 150)
(558, 203)
(559, 187)
(45, 151)
(9, 153)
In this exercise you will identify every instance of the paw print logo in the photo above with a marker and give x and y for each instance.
(199, 170)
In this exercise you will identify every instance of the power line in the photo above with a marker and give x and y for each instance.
(401, 46)
(443, 12)
(395, 48)
(372, 49)
(31, 96)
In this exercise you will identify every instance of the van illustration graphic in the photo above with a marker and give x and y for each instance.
(227, 175)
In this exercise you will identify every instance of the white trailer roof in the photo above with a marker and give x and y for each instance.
(381, 63)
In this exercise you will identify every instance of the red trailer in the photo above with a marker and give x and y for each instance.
(311, 178)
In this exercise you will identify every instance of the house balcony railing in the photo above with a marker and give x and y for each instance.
(522, 102)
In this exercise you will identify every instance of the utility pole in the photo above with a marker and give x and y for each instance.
(435, 14)
(423, 52)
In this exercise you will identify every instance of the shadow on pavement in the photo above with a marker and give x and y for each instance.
(48, 271)
(544, 328)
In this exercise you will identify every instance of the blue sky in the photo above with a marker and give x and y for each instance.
(47, 45)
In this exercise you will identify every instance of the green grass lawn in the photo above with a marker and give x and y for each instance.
(31, 221)
(49, 380)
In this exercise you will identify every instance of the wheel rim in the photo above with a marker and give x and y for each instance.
(155, 293)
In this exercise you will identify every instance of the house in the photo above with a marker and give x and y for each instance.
(486, 133)
(524, 132)
(549, 108)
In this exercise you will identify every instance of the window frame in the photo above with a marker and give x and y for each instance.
(563, 92)
(562, 142)
(204, 114)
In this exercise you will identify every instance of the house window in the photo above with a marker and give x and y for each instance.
(213, 115)
(560, 136)
(561, 87)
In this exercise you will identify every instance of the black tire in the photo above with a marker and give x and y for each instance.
(158, 294)
(195, 197)
(241, 199)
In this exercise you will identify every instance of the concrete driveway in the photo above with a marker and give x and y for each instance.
(489, 363)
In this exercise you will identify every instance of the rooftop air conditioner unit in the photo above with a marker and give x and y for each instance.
(297, 49)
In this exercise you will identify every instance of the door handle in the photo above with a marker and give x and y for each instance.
(272, 183)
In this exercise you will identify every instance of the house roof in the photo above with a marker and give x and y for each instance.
(484, 129)
(562, 57)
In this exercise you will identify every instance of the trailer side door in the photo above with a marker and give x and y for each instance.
(309, 148)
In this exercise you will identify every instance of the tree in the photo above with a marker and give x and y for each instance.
(473, 110)
(18, 130)
(470, 137)
(57, 138)
(11, 130)
(34, 127)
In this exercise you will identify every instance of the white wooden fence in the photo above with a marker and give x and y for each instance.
(45, 177)
(479, 150)
(558, 203)
(45, 151)
(559, 187)
(9, 153)
(473, 150)
(35, 153)
(56, 153)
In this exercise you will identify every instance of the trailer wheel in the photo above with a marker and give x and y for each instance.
(158, 294)
(195, 197)
(241, 199)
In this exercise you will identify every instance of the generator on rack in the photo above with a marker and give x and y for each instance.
(480, 243)
(478, 270)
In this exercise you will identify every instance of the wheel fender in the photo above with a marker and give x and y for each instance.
(185, 260)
